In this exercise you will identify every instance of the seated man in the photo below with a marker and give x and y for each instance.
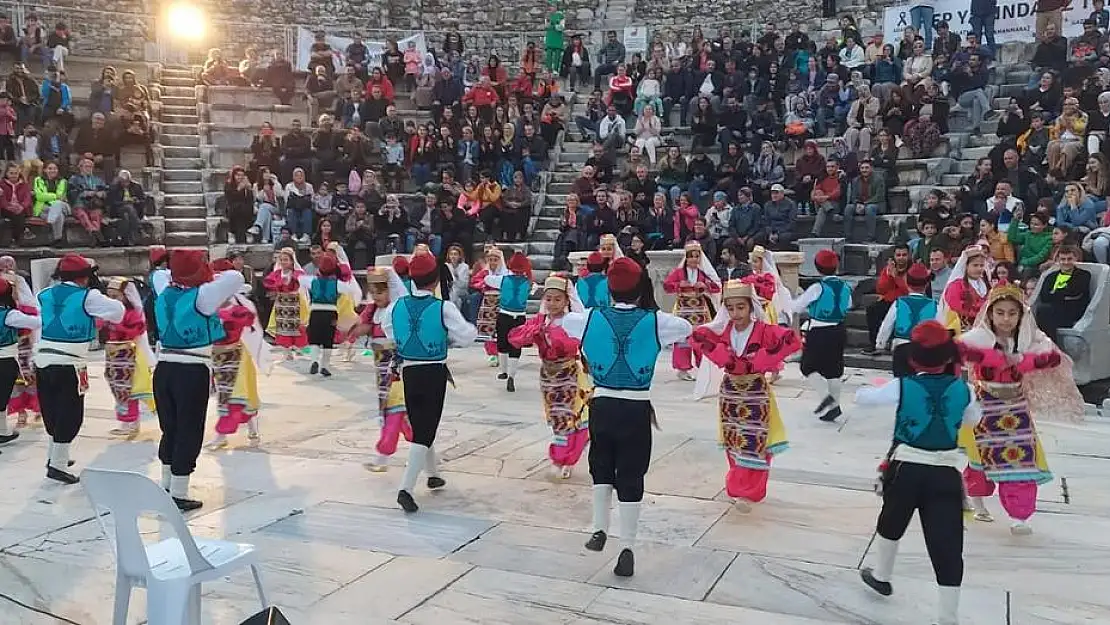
(126, 202)
(1065, 293)
(96, 141)
(87, 192)
(867, 199)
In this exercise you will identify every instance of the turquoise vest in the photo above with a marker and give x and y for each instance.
(911, 310)
(418, 328)
(324, 291)
(930, 411)
(180, 324)
(8, 335)
(407, 281)
(834, 302)
(593, 290)
(64, 319)
(514, 293)
(621, 346)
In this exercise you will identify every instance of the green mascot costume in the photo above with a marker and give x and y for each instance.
(553, 41)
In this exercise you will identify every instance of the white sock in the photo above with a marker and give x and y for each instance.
(314, 353)
(603, 501)
(835, 386)
(59, 456)
(503, 363)
(431, 463)
(252, 427)
(628, 513)
(978, 505)
(5, 427)
(886, 551)
(948, 605)
(179, 486)
(418, 458)
(166, 475)
(325, 358)
(514, 366)
(819, 384)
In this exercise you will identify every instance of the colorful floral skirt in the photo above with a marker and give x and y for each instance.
(25, 395)
(693, 307)
(565, 391)
(750, 428)
(288, 322)
(487, 316)
(1004, 444)
(128, 374)
(391, 391)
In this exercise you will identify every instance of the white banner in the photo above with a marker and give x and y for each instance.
(306, 37)
(635, 39)
(1015, 22)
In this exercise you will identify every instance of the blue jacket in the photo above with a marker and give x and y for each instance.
(1084, 215)
(44, 93)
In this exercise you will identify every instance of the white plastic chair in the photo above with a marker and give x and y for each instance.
(172, 570)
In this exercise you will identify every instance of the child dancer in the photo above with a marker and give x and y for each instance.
(491, 298)
(347, 317)
(324, 290)
(593, 288)
(563, 383)
(384, 287)
(24, 401)
(12, 321)
(906, 314)
(697, 288)
(513, 291)
(827, 302)
(746, 348)
(920, 472)
(422, 325)
(762, 262)
(237, 360)
(965, 292)
(128, 359)
(290, 313)
(1018, 372)
(400, 266)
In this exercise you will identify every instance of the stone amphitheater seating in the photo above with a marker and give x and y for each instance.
(1092, 330)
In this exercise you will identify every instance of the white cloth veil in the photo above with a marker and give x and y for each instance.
(617, 252)
(709, 375)
(572, 294)
(959, 271)
(131, 292)
(707, 268)
(783, 297)
(254, 338)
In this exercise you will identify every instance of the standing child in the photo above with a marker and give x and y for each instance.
(907, 313)
(564, 386)
(746, 348)
(384, 287)
(827, 301)
(513, 291)
(413, 58)
(12, 322)
(23, 403)
(762, 262)
(460, 277)
(323, 291)
(593, 288)
(491, 298)
(8, 117)
(290, 312)
(1018, 373)
(128, 359)
(697, 295)
(965, 292)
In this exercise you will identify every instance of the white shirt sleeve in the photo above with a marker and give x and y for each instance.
(103, 307)
(25, 294)
(459, 329)
(493, 281)
(22, 321)
(159, 280)
(886, 329)
(807, 297)
(671, 329)
(213, 294)
(574, 323)
(974, 412)
(885, 395)
(387, 320)
(306, 282)
(351, 289)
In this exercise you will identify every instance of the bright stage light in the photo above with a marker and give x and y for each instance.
(186, 21)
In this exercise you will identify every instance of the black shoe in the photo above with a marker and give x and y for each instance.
(502, 376)
(436, 482)
(185, 504)
(832, 415)
(824, 405)
(510, 386)
(883, 588)
(7, 438)
(314, 369)
(61, 476)
(597, 541)
(69, 463)
(325, 373)
(405, 500)
(625, 564)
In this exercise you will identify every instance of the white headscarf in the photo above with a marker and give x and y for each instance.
(782, 298)
(958, 273)
(709, 375)
(572, 295)
(293, 254)
(608, 238)
(706, 268)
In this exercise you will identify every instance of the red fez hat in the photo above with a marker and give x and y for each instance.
(918, 275)
(826, 260)
(158, 254)
(595, 261)
(401, 265)
(327, 265)
(519, 263)
(74, 264)
(187, 267)
(421, 266)
(624, 275)
(932, 348)
(222, 264)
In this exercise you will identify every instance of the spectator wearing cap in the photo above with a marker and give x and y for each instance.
(866, 198)
(717, 218)
(779, 215)
(25, 94)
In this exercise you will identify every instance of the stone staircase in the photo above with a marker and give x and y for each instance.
(182, 184)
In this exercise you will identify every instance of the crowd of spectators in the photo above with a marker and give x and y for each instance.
(57, 166)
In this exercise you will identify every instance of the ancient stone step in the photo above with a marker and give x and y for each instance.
(187, 161)
(179, 91)
(184, 199)
(174, 109)
(171, 101)
(185, 120)
(182, 175)
(184, 212)
(185, 225)
(178, 239)
(176, 151)
(167, 139)
(183, 187)
(179, 129)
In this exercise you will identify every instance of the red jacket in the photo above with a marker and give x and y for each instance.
(891, 287)
(385, 84)
(18, 193)
(481, 96)
(830, 185)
